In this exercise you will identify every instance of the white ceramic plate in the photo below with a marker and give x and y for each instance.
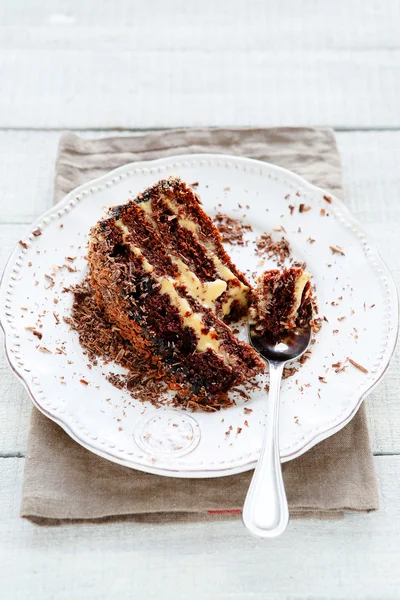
(173, 442)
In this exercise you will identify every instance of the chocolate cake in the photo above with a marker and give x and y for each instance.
(161, 274)
(282, 301)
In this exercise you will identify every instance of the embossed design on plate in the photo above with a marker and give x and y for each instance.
(167, 434)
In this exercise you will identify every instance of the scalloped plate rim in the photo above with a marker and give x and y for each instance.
(229, 470)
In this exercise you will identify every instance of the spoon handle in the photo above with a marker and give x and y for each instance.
(265, 511)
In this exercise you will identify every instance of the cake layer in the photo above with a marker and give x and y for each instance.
(172, 215)
(281, 301)
(161, 274)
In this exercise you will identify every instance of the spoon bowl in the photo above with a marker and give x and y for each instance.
(289, 346)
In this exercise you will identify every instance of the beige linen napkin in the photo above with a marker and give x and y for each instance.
(63, 481)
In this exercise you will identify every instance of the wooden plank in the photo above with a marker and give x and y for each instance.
(372, 188)
(369, 163)
(159, 64)
(355, 558)
(215, 26)
(142, 89)
(26, 173)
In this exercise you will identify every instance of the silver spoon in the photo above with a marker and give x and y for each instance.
(265, 511)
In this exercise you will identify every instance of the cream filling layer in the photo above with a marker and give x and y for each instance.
(205, 293)
(299, 286)
(192, 319)
(239, 291)
(137, 251)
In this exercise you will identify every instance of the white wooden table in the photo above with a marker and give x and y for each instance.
(96, 65)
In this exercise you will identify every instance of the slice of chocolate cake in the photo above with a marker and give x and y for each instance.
(281, 301)
(160, 273)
